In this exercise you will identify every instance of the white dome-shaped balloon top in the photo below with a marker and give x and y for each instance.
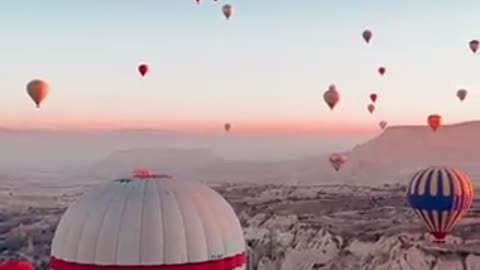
(149, 222)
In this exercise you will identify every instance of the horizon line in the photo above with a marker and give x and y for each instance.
(246, 129)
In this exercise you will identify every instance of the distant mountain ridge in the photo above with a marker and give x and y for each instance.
(407, 148)
(387, 158)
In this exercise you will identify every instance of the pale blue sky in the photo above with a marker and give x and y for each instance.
(273, 60)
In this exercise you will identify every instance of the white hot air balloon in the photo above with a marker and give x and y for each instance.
(151, 222)
(337, 160)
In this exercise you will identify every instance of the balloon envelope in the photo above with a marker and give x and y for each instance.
(440, 197)
(177, 224)
(227, 126)
(143, 69)
(331, 96)
(462, 94)
(227, 10)
(434, 121)
(367, 35)
(383, 124)
(337, 160)
(381, 70)
(38, 91)
(373, 97)
(474, 44)
(16, 265)
(371, 108)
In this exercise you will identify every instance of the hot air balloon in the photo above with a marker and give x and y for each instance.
(383, 124)
(16, 265)
(143, 69)
(337, 160)
(227, 126)
(434, 121)
(462, 94)
(440, 196)
(149, 221)
(373, 97)
(474, 44)
(367, 35)
(38, 91)
(227, 10)
(331, 96)
(381, 70)
(371, 108)
(197, 2)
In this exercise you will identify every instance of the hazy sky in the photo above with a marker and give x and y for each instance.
(270, 64)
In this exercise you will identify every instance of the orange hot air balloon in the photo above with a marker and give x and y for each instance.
(367, 35)
(373, 97)
(371, 108)
(227, 126)
(382, 70)
(474, 44)
(143, 69)
(331, 96)
(434, 121)
(38, 91)
(462, 94)
(16, 265)
(383, 124)
(227, 10)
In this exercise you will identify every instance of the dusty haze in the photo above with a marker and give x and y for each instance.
(50, 150)
(296, 212)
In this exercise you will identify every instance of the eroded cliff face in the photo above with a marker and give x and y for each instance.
(347, 228)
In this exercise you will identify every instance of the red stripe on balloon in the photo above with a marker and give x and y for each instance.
(229, 263)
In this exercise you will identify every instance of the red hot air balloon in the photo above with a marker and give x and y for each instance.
(16, 265)
(383, 124)
(227, 10)
(227, 126)
(371, 108)
(373, 97)
(331, 96)
(38, 91)
(337, 160)
(474, 44)
(143, 69)
(381, 70)
(434, 121)
(367, 35)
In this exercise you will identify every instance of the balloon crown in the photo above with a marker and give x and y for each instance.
(143, 173)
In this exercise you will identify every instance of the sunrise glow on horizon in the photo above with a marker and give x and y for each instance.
(264, 71)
